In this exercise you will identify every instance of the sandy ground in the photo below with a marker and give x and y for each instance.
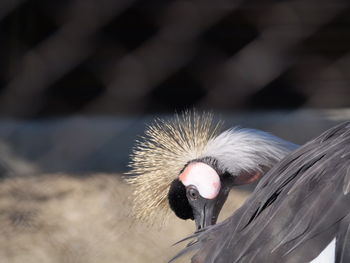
(65, 219)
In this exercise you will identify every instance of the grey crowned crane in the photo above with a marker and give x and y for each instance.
(187, 164)
(299, 211)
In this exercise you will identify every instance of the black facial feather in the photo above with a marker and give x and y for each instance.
(178, 200)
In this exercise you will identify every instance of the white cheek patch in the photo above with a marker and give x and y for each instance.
(202, 176)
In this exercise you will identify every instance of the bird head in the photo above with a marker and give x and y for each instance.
(189, 164)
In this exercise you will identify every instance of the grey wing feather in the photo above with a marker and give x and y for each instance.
(343, 242)
(296, 210)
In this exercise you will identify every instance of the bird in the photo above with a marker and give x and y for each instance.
(189, 163)
(298, 212)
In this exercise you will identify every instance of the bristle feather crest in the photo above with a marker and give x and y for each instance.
(160, 155)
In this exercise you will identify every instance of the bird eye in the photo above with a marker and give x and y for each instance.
(192, 193)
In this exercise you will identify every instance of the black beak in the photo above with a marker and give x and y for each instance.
(206, 211)
(206, 216)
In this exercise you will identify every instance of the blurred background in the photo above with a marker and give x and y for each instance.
(80, 79)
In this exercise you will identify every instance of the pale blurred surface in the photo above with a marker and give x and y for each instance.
(81, 144)
(58, 218)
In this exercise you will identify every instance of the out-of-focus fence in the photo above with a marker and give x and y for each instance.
(125, 56)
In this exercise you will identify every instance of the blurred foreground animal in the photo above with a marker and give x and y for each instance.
(188, 164)
(299, 212)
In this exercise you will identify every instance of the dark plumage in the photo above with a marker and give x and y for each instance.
(178, 200)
